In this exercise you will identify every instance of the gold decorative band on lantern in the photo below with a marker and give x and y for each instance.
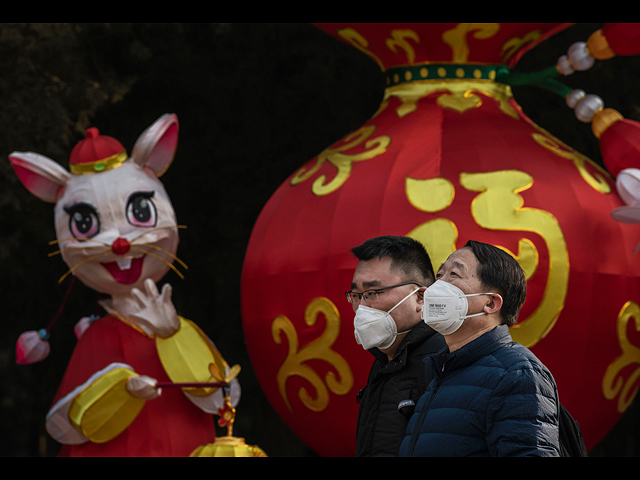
(100, 165)
(443, 71)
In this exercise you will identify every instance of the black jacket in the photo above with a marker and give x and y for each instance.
(392, 390)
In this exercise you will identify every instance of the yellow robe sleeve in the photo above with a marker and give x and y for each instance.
(188, 356)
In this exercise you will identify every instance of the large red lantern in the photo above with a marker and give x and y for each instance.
(448, 157)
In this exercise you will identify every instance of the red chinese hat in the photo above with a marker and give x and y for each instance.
(96, 153)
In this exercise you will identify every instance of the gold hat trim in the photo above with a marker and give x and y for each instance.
(100, 165)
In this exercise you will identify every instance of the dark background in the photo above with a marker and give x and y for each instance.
(255, 102)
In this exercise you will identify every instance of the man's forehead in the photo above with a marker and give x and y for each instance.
(463, 259)
(374, 273)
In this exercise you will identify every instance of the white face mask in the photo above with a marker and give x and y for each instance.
(376, 328)
(445, 307)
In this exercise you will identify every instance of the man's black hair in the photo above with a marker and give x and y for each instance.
(501, 272)
(408, 256)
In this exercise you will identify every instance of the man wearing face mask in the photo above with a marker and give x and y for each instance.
(490, 396)
(386, 295)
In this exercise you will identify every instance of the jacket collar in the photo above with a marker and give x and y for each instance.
(474, 350)
(415, 337)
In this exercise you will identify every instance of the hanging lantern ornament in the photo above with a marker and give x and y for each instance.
(577, 58)
(227, 446)
(615, 39)
(33, 346)
(619, 140)
(619, 137)
(628, 187)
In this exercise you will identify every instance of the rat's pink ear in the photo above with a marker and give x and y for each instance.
(39, 174)
(157, 145)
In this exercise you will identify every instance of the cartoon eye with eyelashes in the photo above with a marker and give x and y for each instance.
(140, 210)
(83, 220)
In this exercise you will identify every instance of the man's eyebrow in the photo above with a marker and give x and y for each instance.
(365, 285)
(456, 264)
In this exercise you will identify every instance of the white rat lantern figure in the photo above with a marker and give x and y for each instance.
(117, 232)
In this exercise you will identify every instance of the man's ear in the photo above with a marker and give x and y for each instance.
(420, 298)
(494, 304)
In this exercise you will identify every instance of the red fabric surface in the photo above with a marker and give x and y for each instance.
(169, 425)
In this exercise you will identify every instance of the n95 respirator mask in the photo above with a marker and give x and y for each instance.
(445, 307)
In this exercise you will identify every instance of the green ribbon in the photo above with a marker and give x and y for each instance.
(497, 73)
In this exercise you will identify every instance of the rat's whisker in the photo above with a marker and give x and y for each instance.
(86, 260)
(169, 264)
(80, 239)
(156, 228)
(92, 247)
(169, 254)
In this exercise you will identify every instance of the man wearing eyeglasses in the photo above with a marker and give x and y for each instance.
(387, 296)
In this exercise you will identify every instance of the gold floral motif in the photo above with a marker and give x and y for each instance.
(359, 42)
(439, 236)
(319, 349)
(527, 257)
(613, 383)
(512, 46)
(430, 194)
(398, 39)
(343, 161)
(500, 207)
(456, 38)
(548, 141)
(455, 94)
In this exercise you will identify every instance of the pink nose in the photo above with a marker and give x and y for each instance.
(120, 246)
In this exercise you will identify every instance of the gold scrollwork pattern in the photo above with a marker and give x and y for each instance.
(513, 45)
(613, 384)
(500, 207)
(342, 161)
(359, 42)
(399, 39)
(548, 141)
(319, 349)
(456, 38)
(439, 236)
(458, 95)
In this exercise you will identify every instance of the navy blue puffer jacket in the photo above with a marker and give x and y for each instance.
(492, 397)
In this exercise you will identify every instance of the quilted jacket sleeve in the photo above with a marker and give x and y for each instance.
(522, 414)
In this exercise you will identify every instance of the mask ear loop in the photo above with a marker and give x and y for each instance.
(389, 312)
(397, 304)
(475, 295)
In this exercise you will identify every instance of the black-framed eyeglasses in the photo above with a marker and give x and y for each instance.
(372, 295)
